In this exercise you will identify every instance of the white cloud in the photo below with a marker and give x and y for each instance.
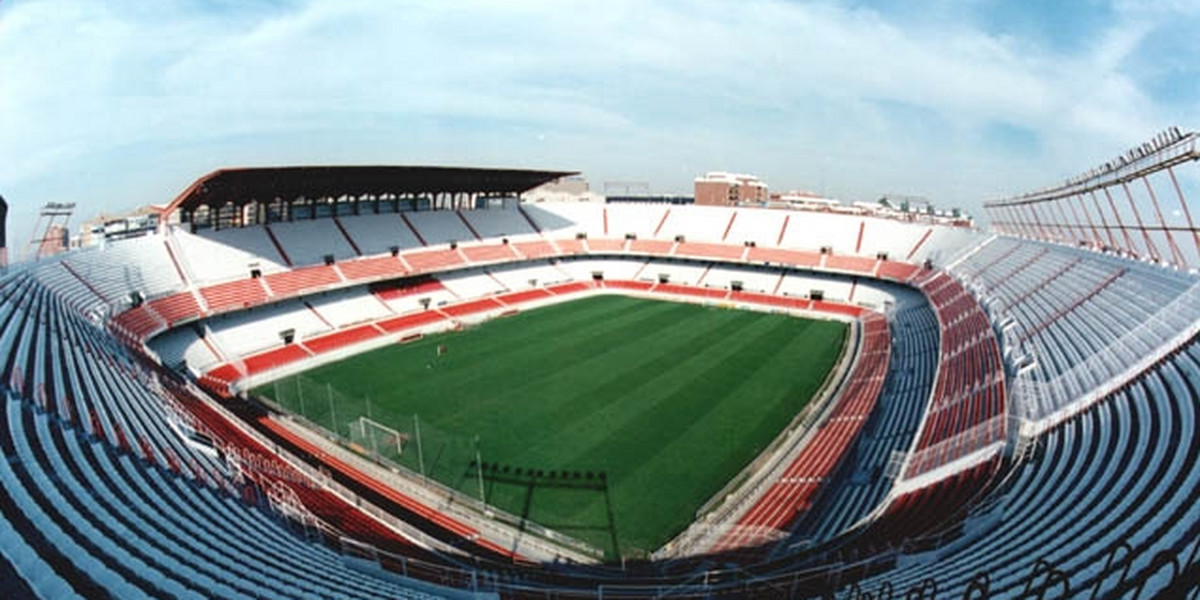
(817, 95)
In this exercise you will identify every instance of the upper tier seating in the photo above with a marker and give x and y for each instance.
(176, 308)
(72, 289)
(697, 224)
(763, 227)
(767, 228)
(497, 223)
(641, 220)
(434, 260)
(139, 265)
(377, 234)
(814, 230)
(708, 232)
(564, 220)
(1073, 319)
(214, 256)
(439, 227)
(310, 279)
(488, 253)
(67, 366)
(296, 239)
(943, 245)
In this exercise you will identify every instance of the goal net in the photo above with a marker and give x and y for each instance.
(378, 439)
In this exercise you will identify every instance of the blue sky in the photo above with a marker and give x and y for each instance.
(116, 104)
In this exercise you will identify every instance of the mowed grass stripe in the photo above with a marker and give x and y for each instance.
(611, 388)
(566, 366)
(620, 406)
(531, 332)
(670, 399)
(487, 364)
(679, 408)
(360, 376)
(710, 419)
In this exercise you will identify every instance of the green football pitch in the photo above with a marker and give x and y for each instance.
(668, 400)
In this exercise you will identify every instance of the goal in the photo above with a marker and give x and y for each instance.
(378, 438)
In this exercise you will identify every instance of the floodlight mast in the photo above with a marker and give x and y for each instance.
(56, 217)
(1043, 214)
(479, 471)
(420, 452)
(3, 235)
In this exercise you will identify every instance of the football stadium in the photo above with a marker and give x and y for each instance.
(414, 382)
(585, 365)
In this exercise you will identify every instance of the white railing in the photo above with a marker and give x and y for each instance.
(1047, 403)
(976, 455)
(525, 537)
(316, 476)
(966, 253)
(957, 446)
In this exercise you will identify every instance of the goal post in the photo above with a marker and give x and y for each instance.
(378, 438)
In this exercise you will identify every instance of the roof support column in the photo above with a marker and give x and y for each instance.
(1096, 241)
(1066, 228)
(1037, 219)
(1129, 247)
(1016, 221)
(1176, 255)
(1112, 241)
(1154, 254)
(1018, 218)
(997, 223)
(1186, 212)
